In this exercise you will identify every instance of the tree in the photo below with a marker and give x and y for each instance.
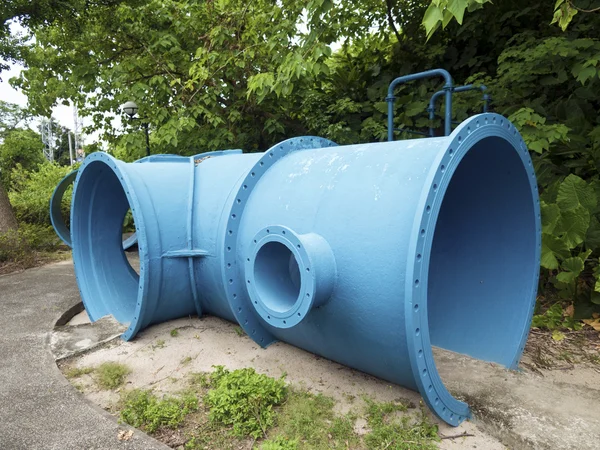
(20, 146)
(7, 215)
(206, 75)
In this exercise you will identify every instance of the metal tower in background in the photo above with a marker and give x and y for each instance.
(78, 134)
(48, 138)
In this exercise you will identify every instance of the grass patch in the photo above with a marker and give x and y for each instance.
(244, 399)
(243, 409)
(142, 409)
(174, 333)
(390, 430)
(76, 372)
(159, 344)
(307, 421)
(111, 375)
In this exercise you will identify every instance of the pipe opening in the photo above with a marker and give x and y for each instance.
(483, 263)
(108, 282)
(277, 277)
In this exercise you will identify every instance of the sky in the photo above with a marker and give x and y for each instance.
(61, 113)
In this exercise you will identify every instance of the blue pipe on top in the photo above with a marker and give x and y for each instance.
(364, 254)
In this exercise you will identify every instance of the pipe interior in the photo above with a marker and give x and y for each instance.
(105, 275)
(277, 276)
(483, 256)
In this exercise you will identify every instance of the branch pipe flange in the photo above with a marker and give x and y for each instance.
(233, 273)
(288, 274)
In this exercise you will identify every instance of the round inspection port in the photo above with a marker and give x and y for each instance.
(277, 277)
(288, 274)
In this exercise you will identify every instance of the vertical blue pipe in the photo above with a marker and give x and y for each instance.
(419, 76)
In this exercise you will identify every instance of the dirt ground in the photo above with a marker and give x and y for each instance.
(163, 357)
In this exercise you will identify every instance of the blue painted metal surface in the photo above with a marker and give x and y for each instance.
(364, 254)
(58, 222)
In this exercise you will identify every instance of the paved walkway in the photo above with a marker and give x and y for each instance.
(39, 409)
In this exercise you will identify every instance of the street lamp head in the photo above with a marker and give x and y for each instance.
(130, 108)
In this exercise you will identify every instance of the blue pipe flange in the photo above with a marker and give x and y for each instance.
(288, 274)
(233, 277)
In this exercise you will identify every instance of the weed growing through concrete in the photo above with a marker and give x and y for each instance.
(111, 375)
(142, 409)
(76, 372)
(159, 344)
(239, 331)
(185, 361)
(174, 333)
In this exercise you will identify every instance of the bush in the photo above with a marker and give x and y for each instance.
(111, 375)
(144, 410)
(32, 191)
(18, 245)
(244, 399)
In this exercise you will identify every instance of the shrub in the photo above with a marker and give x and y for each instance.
(111, 375)
(18, 245)
(244, 399)
(144, 410)
(32, 191)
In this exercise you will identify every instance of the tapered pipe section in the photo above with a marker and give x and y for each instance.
(364, 254)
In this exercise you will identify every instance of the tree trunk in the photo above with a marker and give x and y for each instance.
(7, 216)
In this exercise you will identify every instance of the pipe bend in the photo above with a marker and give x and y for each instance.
(288, 274)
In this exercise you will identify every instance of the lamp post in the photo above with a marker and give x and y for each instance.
(131, 109)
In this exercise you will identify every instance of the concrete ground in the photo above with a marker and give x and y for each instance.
(39, 408)
(548, 409)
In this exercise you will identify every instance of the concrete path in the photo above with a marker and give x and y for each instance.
(39, 409)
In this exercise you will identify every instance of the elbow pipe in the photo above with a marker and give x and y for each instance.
(448, 86)
(56, 217)
(307, 243)
(468, 87)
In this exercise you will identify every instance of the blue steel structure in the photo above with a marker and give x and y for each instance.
(56, 217)
(447, 90)
(456, 89)
(366, 254)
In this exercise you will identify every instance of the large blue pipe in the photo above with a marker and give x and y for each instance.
(364, 254)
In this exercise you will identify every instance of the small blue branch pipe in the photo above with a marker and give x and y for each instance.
(438, 94)
(448, 86)
(308, 243)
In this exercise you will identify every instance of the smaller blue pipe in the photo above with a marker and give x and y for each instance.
(465, 88)
(419, 76)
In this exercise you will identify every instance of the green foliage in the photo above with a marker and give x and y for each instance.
(144, 410)
(554, 318)
(174, 332)
(22, 149)
(441, 12)
(279, 443)
(308, 421)
(111, 375)
(244, 399)
(76, 372)
(393, 431)
(32, 191)
(17, 245)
